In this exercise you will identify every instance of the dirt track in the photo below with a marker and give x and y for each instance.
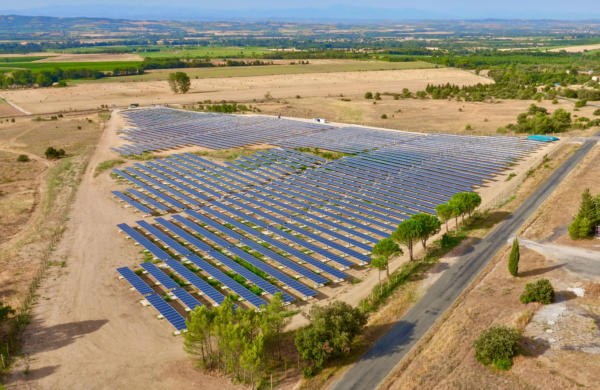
(85, 320)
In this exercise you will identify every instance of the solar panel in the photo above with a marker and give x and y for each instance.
(167, 311)
(188, 299)
(197, 281)
(160, 276)
(135, 281)
(156, 251)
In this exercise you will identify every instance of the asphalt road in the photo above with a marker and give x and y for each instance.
(370, 371)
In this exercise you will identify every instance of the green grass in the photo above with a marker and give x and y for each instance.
(20, 59)
(159, 51)
(108, 164)
(49, 66)
(269, 70)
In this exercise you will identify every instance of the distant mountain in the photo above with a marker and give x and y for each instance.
(332, 13)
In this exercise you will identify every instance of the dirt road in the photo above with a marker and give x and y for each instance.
(578, 260)
(81, 335)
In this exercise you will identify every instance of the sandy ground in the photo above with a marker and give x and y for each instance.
(90, 96)
(87, 322)
(577, 49)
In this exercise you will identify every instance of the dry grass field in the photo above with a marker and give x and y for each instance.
(241, 89)
(6, 110)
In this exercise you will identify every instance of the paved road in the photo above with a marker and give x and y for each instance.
(370, 371)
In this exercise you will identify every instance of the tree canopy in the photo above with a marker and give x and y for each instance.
(179, 82)
(330, 334)
(587, 218)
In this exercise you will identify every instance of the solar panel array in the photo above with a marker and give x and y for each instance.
(163, 128)
(282, 221)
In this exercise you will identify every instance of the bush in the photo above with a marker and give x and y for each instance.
(368, 95)
(52, 153)
(497, 345)
(540, 291)
(330, 333)
(581, 103)
(597, 112)
(377, 96)
(23, 158)
(384, 116)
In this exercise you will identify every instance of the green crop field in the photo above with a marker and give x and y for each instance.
(268, 70)
(155, 51)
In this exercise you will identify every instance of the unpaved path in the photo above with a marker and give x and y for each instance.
(84, 334)
(581, 261)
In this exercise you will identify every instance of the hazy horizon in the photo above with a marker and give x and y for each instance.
(337, 10)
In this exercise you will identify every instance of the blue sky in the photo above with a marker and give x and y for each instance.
(438, 9)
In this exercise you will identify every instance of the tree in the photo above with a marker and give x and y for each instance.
(444, 212)
(587, 218)
(513, 258)
(407, 232)
(383, 251)
(179, 82)
(368, 95)
(472, 201)
(381, 263)
(330, 334)
(52, 153)
(540, 291)
(428, 226)
(497, 345)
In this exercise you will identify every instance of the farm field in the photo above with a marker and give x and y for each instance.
(82, 96)
(316, 66)
(155, 51)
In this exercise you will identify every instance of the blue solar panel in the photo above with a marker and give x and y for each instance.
(167, 311)
(183, 234)
(171, 243)
(132, 202)
(227, 281)
(302, 289)
(197, 281)
(200, 230)
(187, 298)
(156, 251)
(160, 276)
(135, 281)
(249, 275)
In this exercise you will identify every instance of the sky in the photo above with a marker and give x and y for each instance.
(394, 9)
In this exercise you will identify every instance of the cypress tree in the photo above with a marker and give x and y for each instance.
(513, 259)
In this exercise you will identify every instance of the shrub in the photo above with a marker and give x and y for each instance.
(23, 158)
(384, 116)
(368, 95)
(581, 103)
(497, 345)
(468, 127)
(377, 96)
(597, 112)
(52, 153)
(540, 291)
